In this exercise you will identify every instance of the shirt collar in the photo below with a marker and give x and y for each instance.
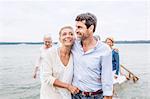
(89, 51)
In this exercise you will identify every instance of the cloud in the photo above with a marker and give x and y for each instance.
(126, 20)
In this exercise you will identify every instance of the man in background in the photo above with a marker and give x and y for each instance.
(43, 50)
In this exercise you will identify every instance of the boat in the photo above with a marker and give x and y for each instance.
(122, 78)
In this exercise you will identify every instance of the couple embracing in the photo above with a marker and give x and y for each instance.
(80, 68)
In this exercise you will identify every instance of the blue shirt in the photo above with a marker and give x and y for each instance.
(93, 69)
(115, 61)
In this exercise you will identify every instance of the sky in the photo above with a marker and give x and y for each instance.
(29, 20)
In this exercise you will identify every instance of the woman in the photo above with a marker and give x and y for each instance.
(115, 56)
(58, 69)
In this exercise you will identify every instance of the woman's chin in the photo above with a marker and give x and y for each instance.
(68, 45)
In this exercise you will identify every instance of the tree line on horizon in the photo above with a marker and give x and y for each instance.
(117, 42)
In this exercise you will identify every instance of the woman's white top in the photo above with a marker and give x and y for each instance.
(54, 69)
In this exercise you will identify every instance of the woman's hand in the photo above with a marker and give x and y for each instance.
(73, 89)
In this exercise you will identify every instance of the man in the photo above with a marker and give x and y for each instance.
(92, 62)
(43, 49)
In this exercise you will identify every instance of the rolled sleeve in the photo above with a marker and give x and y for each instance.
(107, 93)
(107, 75)
(38, 60)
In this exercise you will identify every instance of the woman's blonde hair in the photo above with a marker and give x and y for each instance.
(65, 27)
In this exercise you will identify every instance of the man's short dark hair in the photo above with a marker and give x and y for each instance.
(89, 19)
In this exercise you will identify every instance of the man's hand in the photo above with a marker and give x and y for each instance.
(35, 72)
(34, 75)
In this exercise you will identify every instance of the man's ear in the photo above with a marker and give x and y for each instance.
(91, 28)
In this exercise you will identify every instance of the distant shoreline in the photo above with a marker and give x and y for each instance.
(134, 42)
(26, 43)
(117, 42)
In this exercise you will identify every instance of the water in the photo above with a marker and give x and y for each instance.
(136, 57)
(16, 68)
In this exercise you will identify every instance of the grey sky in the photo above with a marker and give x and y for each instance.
(30, 20)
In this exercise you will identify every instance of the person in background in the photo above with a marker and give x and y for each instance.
(97, 37)
(115, 56)
(92, 61)
(58, 68)
(43, 49)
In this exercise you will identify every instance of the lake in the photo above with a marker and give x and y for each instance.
(17, 63)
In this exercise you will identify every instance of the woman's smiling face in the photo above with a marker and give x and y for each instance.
(67, 37)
